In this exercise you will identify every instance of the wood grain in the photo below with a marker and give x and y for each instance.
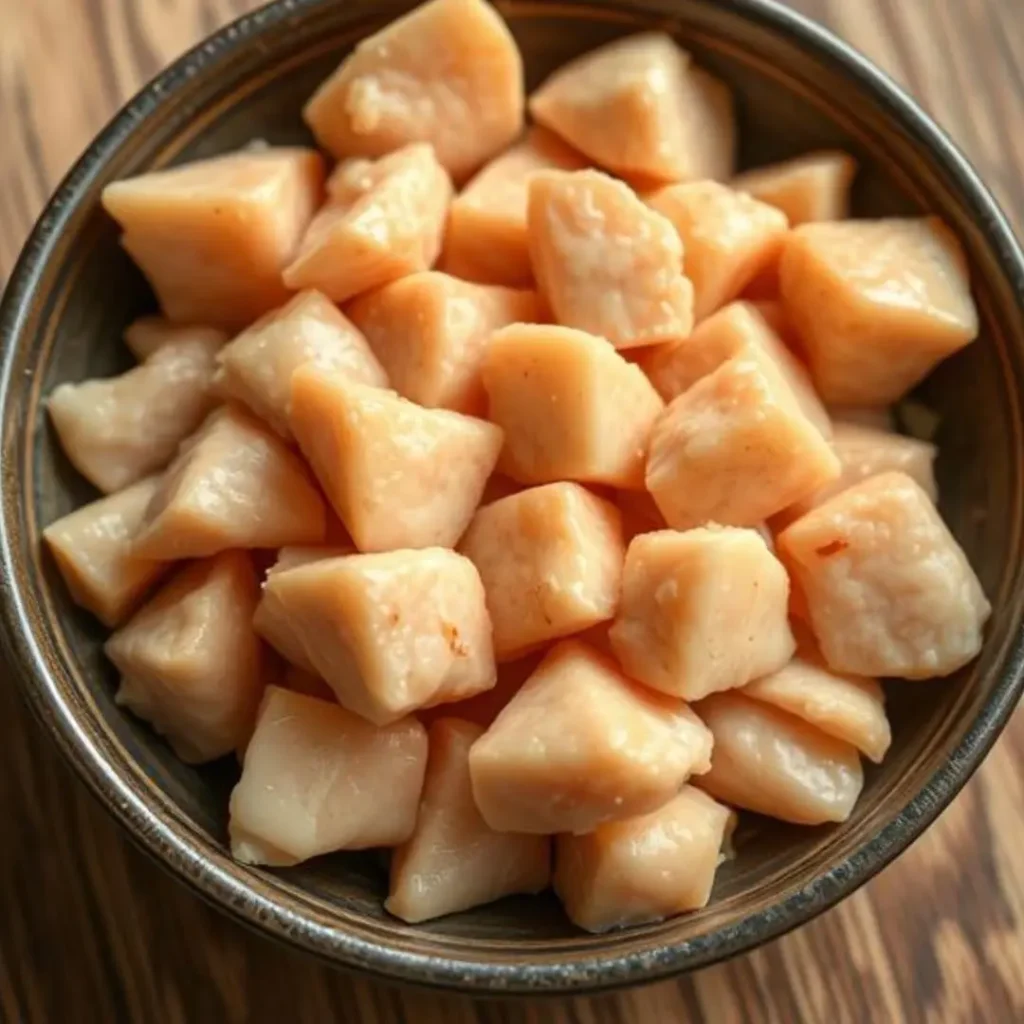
(92, 931)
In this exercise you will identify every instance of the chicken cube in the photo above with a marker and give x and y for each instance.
(448, 73)
(889, 591)
(771, 762)
(148, 334)
(550, 389)
(233, 485)
(877, 304)
(486, 236)
(318, 778)
(454, 860)
(256, 368)
(390, 631)
(728, 238)
(397, 475)
(92, 547)
(213, 236)
(551, 562)
(683, 631)
(646, 868)
(117, 430)
(580, 744)
(812, 187)
(736, 447)
(605, 262)
(431, 330)
(637, 107)
(189, 660)
(384, 219)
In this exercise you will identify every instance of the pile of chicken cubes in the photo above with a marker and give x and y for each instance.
(530, 568)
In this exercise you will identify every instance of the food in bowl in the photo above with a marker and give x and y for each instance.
(574, 549)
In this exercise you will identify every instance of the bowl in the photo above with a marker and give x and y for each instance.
(73, 291)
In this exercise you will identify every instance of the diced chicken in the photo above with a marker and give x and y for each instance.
(300, 681)
(117, 430)
(257, 367)
(646, 868)
(551, 562)
(431, 330)
(701, 611)
(675, 367)
(639, 108)
(605, 262)
(550, 389)
(318, 778)
(486, 237)
(398, 475)
(771, 762)
(448, 73)
(213, 236)
(383, 220)
(889, 591)
(189, 660)
(485, 707)
(850, 708)
(149, 334)
(640, 514)
(728, 238)
(580, 744)
(92, 547)
(877, 304)
(810, 188)
(233, 485)
(388, 632)
(453, 860)
(736, 447)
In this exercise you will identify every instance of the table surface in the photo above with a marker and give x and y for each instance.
(90, 930)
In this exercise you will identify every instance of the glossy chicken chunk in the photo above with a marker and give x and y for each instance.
(889, 591)
(454, 860)
(448, 73)
(92, 547)
(318, 778)
(189, 660)
(606, 263)
(233, 485)
(812, 187)
(876, 303)
(213, 236)
(388, 632)
(551, 562)
(675, 367)
(771, 762)
(486, 236)
(728, 238)
(580, 744)
(645, 868)
(397, 474)
(117, 430)
(256, 368)
(430, 331)
(680, 630)
(850, 708)
(383, 220)
(638, 108)
(550, 389)
(149, 334)
(736, 448)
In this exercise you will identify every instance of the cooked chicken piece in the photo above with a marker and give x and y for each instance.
(149, 334)
(550, 389)
(453, 860)
(189, 660)
(318, 778)
(809, 188)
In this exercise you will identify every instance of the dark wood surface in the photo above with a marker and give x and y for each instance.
(90, 930)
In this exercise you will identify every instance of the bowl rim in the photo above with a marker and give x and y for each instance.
(232, 893)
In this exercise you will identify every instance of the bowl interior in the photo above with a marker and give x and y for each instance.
(251, 84)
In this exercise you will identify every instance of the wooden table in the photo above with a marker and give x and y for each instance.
(90, 930)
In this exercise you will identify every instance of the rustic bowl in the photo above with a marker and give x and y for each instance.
(74, 290)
